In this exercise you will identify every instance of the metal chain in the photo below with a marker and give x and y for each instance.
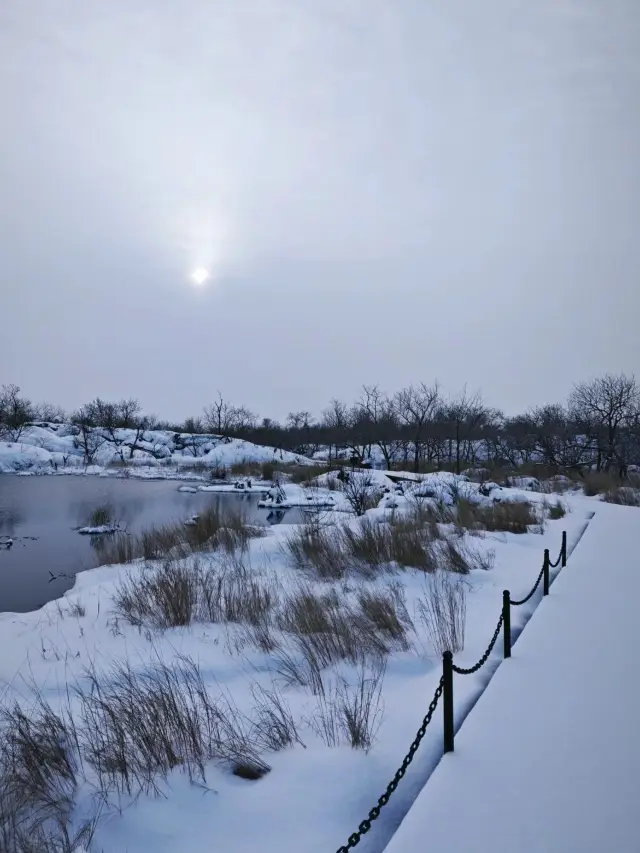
(557, 562)
(365, 826)
(537, 584)
(485, 657)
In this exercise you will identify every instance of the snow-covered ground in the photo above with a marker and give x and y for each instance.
(315, 795)
(60, 448)
(548, 760)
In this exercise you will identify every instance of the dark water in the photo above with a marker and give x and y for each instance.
(39, 513)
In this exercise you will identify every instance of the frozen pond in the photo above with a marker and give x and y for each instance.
(40, 514)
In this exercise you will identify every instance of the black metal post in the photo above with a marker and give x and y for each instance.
(545, 572)
(447, 700)
(564, 548)
(506, 622)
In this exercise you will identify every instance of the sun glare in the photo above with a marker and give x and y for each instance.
(200, 275)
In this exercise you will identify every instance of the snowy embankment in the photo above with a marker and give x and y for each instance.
(293, 595)
(64, 449)
(548, 760)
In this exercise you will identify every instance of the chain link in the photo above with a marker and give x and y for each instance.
(557, 562)
(536, 585)
(485, 657)
(365, 826)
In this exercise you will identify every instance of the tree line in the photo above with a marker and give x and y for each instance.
(417, 427)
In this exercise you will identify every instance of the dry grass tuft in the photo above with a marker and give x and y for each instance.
(317, 548)
(506, 516)
(214, 529)
(623, 496)
(140, 725)
(351, 713)
(179, 593)
(442, 609)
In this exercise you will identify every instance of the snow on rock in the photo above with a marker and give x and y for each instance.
(291, 495)
(190, 489)
(57, 448)
(242, 486)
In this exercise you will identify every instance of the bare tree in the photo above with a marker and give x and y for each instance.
(49, 413)
(416, 408)
(605, 406)
(15, 412)
(335, 423)
(223, 418)
(90, 437)
(378, 410)
(465, 415)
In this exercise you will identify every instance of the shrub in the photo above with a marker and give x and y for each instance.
(556, 510)
(361, 492)
(267, 470)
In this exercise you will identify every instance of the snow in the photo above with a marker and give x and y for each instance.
(98, 530)
(547, 761)
(291, 495)
(56, 448)
(315, 796)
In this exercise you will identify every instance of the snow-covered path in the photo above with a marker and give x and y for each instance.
(548, 760)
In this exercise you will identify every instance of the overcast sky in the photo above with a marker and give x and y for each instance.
(382, 192)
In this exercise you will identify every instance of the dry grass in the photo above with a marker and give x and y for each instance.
(322, 632)
(179, 593)
(386, 610)
(317, 548)
(507, 516)
(100, 516)
(138, 726)
(599, 482)
(39, 775)
(214, 529)
(623, 496)
(275, 727)
(351, 713)
(442, 609)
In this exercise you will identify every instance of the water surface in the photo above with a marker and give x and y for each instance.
(40, 514)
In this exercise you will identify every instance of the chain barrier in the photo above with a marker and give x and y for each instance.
(485, 657)
(531, 594)
(365, 826)
(557, 562)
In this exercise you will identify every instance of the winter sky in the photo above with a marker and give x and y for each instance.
(381, 192)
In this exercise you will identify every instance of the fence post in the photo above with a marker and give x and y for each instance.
(447, 700)
(564, 548)
(545, 572)
(506, 622)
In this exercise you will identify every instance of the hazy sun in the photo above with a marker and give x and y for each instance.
(200, 275)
